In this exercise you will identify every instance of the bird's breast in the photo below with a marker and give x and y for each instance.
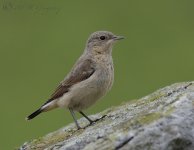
(106, 74)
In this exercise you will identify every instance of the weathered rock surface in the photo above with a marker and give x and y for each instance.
(163, 120)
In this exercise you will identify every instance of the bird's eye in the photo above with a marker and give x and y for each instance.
(102, 37)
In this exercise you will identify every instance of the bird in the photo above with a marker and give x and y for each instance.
(90, 78)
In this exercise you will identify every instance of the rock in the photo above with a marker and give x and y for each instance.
(163, 120)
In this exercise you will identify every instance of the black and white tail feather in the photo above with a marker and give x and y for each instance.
(34, 114)
(39, 111)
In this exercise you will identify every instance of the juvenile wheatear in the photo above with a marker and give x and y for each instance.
(91, 77)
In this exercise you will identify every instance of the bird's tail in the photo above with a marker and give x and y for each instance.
(34, 114)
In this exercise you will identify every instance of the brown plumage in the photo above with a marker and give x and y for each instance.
(90, 79)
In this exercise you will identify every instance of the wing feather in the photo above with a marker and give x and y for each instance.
(81, 72)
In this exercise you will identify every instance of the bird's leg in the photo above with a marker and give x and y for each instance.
(91, 121)
(74, 118)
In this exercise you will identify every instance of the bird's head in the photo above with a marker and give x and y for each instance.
(102, 42)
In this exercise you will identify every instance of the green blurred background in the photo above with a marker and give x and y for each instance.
(41, 40)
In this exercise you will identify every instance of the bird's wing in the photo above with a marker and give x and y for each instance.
(81, 72)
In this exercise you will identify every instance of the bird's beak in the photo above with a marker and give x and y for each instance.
(118, 37)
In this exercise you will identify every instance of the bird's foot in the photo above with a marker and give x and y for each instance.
(79, 128)
(96, 120)
(92, 122)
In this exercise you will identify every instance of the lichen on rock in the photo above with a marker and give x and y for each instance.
(163, 120)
